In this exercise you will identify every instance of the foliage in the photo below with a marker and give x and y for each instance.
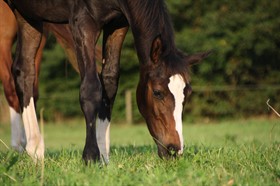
(245, 61)
(243, 152)
(59, 85)
(236, 80)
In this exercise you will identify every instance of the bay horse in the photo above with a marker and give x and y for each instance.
(8, 30)
(164, 81)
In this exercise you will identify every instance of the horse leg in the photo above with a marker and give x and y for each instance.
(24, 72)
(112, 42)
(85, 33)
(8, 29)
(38, 59)
(18, 140)
(64, 37)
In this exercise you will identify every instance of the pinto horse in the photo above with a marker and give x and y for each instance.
(164, 81)
(8, 29)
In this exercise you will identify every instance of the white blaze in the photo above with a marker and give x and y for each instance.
(176, 87)
(103, 138)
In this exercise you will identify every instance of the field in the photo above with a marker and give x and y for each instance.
(240, 152)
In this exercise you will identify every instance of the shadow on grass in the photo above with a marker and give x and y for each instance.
(129, 150)
(8, 159)
(73, 153)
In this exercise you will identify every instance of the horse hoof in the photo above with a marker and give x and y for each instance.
(36, 150)
(91, 156)
(18, 148)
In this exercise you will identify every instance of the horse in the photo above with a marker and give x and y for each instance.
(164, 83)
(8, 29)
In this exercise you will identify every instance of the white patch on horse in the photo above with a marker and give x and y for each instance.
(103, 138)
(18, 140)
(34, 142)
(176, 87)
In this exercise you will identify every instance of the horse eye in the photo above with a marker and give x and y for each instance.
(158, 94)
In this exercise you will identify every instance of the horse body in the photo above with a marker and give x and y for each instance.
(101, 11)
(8, 29)
(46, 11)
(163, 68)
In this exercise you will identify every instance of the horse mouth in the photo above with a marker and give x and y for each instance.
(169, 151)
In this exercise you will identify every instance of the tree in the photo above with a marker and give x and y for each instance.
(236, 80)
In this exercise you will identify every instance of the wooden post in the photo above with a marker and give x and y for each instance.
(128, 106)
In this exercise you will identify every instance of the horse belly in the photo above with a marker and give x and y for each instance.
(45, 10)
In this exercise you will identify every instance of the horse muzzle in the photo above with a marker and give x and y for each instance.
(169, 151)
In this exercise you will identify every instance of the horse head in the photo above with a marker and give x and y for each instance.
(162, 91)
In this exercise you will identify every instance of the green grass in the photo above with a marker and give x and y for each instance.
(243, 152)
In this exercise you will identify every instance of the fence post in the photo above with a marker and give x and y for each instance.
(128, 106)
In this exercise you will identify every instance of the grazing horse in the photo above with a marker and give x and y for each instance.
(8, 29)
(164, 81)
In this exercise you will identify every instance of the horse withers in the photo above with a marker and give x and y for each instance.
(164, 81)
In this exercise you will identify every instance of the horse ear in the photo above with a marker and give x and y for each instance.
(196, 58)
(156, 49)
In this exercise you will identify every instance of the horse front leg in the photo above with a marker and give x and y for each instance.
(85, 33)
(112, 42)
(24, 73)
(8, 30)
(18, 140)
(38, 59)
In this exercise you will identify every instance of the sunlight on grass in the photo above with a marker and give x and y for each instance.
(243, 152)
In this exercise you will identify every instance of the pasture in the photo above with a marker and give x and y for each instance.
(239, 152)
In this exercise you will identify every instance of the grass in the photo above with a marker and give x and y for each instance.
(243, 152)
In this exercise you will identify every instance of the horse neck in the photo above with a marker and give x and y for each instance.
(149, 19)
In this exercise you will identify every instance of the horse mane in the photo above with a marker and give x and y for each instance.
(151, 19)
(158, 23)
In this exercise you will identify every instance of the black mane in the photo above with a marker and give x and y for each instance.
(149, 19)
